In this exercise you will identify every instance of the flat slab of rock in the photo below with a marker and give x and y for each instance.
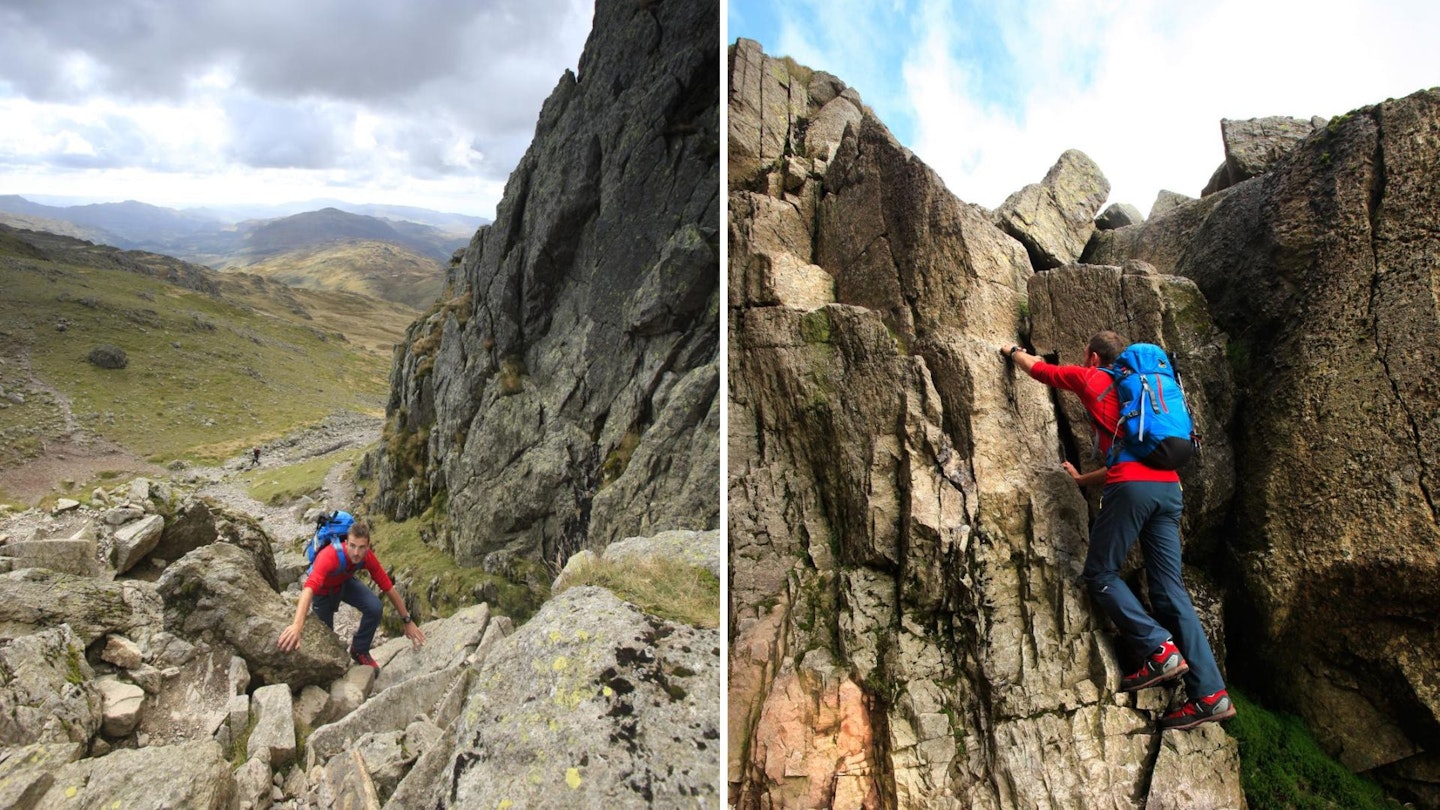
(37, 599)
(273, 725)
(193, 775)
(27, 772)
(134, 540)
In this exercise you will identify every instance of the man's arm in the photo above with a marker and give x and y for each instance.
(1020, 357)
(290, 636)
(412, 629)
(1095, 476)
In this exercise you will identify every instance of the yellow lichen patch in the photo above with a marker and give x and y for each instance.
(582, 636)
(572, 778)
(505, 804)
(607, 691)
(560, 663)
(555, 636)
(71, 791)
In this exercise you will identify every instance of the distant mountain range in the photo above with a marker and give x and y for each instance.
(393, 252)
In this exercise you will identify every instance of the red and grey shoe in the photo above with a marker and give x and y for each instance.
(364, 659)
(1192, 713)
(1165, 664)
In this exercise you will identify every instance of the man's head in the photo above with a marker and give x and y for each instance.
(1104, 347)
(357, 542)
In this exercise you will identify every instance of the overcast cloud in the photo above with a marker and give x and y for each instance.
(420, 102)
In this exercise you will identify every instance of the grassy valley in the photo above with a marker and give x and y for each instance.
(216, 362)
(383, 270)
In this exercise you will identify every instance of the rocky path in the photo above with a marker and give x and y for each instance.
(343, 430)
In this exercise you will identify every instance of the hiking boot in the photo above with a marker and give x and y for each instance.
(1192, 713)
(364, 659)
(1165, 664)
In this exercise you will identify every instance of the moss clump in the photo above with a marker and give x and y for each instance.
(72, 666)
(815, 326)
(659, 586)
(1281, 765)
(511, 375)
(619, 458)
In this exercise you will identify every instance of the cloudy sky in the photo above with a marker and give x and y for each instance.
(186, 102)
(990, 93)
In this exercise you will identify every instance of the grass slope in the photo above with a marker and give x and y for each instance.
(211, 370)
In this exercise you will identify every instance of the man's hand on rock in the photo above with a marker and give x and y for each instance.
(290, 638)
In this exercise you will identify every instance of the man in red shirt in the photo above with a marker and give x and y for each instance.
(1138, 502)
(331, 582)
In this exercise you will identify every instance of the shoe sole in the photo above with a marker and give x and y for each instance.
(1158, 679)
(1225, 715)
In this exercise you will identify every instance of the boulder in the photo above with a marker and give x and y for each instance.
(216, 594)
(134, 540)
(347, 783)
(1191, 768)
(35, 598)
(1167, 201)
(46, 693)
(253, 784)
(1256, 145)
(122, 652)
(72, 555)
(191, 775)
(349, 691)
(189, 528)
(120, 706)
(1118, 215)
(1054, 218)
(587, 673)
(28, 771)
(272, 726)
(121, 515)
(700, 549)
(192, 700)
(390, 710)
(447, 643)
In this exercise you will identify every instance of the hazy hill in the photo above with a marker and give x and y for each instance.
(400, 259)
(216, 361)
(374, 268)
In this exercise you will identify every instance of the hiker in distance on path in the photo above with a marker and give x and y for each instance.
(1144, 503)
(332, 581)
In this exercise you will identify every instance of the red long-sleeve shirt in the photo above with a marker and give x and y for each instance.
(326, 576)
(1088, 384)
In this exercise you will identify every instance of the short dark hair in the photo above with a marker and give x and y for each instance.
(360, 529)
(1108, 345)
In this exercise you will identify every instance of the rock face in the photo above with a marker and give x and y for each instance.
(1323, 273)
(567, 392)
(589, 704)
(908, 626)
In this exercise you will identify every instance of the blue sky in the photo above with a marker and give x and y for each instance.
(990, 93)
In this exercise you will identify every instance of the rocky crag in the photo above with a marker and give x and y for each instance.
(129, 680)
(908, 626)
(566, 394)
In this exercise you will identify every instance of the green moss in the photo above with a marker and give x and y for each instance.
(619, 458)
(240, 744)
(73, 674)
(434, 585)
(815, 326)
(1281, 765)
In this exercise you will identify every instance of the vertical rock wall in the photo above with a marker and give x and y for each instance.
(908, 626)
(567, 391)
(1324, 272)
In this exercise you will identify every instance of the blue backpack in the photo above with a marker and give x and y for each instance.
(330, 530)
(1155, 426)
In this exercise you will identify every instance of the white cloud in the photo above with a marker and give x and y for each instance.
(1141, 88)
